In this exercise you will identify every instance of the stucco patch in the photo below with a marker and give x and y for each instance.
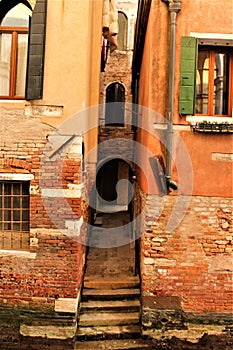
(221, 264)
(223, 157)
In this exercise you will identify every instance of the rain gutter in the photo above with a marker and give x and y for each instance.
(174, 7)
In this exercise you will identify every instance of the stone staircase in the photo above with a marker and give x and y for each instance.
(110, 314)
(110, 304)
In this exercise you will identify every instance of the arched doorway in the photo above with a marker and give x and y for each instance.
(114, 210)
(114, 185)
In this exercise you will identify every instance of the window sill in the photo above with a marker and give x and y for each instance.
(212, 119)
(12, 99)
(16, 177)
(12, 102)
(211, 125)
(17, 253)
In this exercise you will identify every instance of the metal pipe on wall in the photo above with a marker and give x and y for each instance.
(174, 6)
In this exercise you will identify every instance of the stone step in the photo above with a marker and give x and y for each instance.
(123, 344)
(110, 305)
(110, 294)
(111, 268)
(98, 221)
(111, 283)
(108, 319)
(108, 332)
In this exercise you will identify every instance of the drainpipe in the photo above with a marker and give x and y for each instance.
(174, 6)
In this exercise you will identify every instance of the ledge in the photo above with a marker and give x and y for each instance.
(73, 191)
(16, 177)
(17, 253)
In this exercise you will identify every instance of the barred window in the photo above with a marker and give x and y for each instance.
(14, 214)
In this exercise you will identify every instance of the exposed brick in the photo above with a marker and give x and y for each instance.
(56, 269)
(187, 266)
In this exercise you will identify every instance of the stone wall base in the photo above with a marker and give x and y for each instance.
(20, 328)
(29, 343)
(167, 324)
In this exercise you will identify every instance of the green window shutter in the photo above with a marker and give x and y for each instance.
(36, 48)
(189, 51)
(122, 31)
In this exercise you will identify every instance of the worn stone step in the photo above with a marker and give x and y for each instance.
(110, 294)
(111, 283)
(108, 319)
(98, 221)
(122, 344)
(110, 305)
(108, 332)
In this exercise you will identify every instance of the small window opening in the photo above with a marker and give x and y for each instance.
(14, 215)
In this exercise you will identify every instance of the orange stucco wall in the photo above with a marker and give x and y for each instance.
(211, 16)
(211, 177)
(72, 59)
(72, 64)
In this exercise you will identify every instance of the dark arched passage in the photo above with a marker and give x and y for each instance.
(109, 176)
(115, 112)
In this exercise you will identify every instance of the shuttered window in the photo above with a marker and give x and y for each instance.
(35, 66)
(13, 52)
(22, 45)
(206, 79)
(122, 31)
(188, 75)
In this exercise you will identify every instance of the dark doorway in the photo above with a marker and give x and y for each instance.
(109, 185)
(107, 180)
(115, 104)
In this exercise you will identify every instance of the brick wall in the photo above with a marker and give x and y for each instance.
(118, 67)
(47, 276)
(115, 141)
(51, 270)
(187, 273)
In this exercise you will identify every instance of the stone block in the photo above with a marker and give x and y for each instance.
(67, 305)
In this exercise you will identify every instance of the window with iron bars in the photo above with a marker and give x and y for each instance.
(14, 215)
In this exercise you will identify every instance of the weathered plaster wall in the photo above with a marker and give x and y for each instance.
(186, 273)
(68, 56)
(210, 18)
(207, 168)
(154, 90)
